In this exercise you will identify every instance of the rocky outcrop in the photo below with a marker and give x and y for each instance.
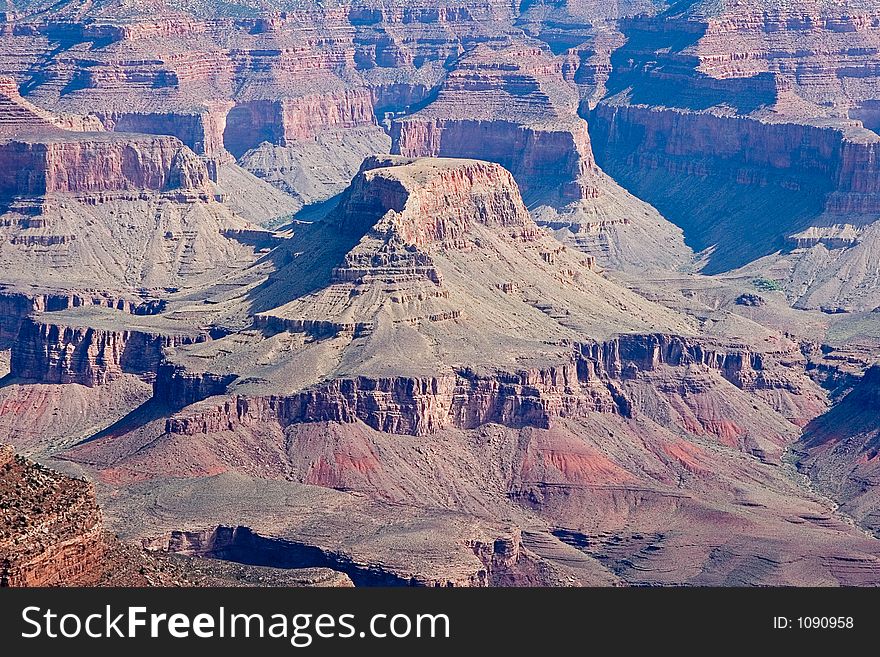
(500, 558)
(243, 545)
(834, 237)
(591, 381)
(431, 203)
(52, 353)
(52, 534)
(51, 529)
(177, 388)
(96, 162)
(201, 131)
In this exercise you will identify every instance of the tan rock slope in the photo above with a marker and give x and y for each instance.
(88, 209)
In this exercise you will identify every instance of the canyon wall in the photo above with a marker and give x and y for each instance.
(53, 353)
(589, 382)
(541, 158)
(201, 131)
(840, 451)
(98, 164)
(509, 106)
(16, 306)
(499, 559)
(282, 122)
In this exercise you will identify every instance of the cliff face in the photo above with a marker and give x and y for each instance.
(515, 106)
(52, 353)
(708, 94)
(52, 530)
(98, 164)
(501, 558)
(201, 131)
(16, 306)
(282, 122)
(680, 159)
(438, 204)
(244, 545)
(512, 107)
(591, 381)
(547, 155)
(52, 534)
(43, 153)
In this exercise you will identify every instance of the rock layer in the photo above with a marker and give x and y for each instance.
(52, 531)
(52, 353)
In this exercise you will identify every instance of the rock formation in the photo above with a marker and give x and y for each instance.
(375, 326)
(479, 361)
(89, 355)
(512, 106)
(52, 529)
(53, 534)
(69, 191)
(839, 450)
(705, 117)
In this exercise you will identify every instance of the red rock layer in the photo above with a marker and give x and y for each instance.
(201, 131)
(439, 204)
(509, 106)
(284, 121)
(94, 162)
(52, 531)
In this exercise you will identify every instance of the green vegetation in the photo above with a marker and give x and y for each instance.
(767, 284)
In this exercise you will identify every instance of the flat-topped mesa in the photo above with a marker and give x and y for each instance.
(428, 201)
(509, 106)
